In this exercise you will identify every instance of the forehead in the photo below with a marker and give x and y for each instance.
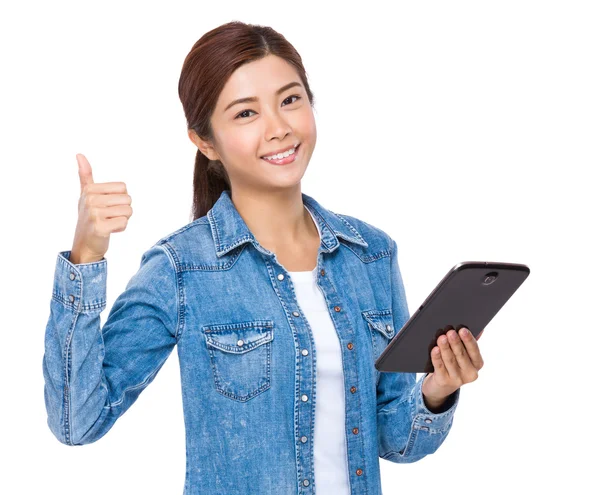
(260, 78)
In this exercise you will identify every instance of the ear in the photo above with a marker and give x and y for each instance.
(204, 146)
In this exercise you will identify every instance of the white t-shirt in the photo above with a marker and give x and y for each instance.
(331, 461)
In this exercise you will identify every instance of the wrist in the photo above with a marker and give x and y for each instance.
(433, 397)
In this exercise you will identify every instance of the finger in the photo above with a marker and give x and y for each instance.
(116, 211)
(460, 352)
(438, 363)
(449, 358)
(472, 347)
(85, 171)
(107, 187)
(112, 199)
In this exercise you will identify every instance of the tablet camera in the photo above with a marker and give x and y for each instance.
(490, 278)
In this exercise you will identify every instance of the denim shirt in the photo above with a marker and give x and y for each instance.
(246, 352)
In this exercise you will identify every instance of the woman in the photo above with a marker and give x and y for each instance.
(278, 306)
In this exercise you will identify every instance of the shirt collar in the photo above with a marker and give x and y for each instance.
(229, 229)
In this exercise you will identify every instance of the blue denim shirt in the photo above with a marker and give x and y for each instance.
(246, 353)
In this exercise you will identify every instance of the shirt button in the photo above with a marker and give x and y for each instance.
(427, 420)
(389, 327)
(338, 309)
(322, 272)
(305, 352)
(304, 398)
(355, 431)
(240, 342)
(306, 482)
(295, 313)
(352, 389)
(71, 298)
(350, 345)
(72, 276)
(281, 276)
(359, 472)
(303, 439)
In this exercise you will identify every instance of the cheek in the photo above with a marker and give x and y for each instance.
(240, 145)
(308, 126)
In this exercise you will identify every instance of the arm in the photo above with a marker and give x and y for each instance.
(93, 375)
(407, 429)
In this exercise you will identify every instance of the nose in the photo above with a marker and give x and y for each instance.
(276, 126)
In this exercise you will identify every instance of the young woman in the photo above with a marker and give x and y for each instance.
(278, 306)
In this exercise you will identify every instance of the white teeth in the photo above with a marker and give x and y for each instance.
(279, 156)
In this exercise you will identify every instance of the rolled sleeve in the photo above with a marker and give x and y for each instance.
(427, 420)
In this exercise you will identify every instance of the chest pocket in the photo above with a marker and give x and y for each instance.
(240, 357)
(381, 326)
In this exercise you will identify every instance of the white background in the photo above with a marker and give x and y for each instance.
(466, 130)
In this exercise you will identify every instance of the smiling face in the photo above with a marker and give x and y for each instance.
(280, 117)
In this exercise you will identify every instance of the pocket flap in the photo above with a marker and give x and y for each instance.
(239, 337)
(381, 320)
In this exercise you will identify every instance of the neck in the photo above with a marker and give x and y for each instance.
(275, 218)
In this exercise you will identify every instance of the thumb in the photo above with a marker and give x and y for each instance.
(85, 170)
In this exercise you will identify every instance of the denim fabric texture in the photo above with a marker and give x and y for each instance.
(246, 353)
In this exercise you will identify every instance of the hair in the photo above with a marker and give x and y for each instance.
(206, 69)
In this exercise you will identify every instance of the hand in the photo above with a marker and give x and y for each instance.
(456, 361)
(104, 208)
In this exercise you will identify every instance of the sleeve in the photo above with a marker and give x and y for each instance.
(407, 430)
(92, 375)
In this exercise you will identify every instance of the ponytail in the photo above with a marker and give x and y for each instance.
(210, 180)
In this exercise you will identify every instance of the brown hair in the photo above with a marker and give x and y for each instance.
(206, 69)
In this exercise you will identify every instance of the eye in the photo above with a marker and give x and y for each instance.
(243, 113)
(248, 110)
(293, 96)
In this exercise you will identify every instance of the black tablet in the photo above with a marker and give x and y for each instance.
(469, 296)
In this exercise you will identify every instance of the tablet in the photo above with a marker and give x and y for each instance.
(470, 295)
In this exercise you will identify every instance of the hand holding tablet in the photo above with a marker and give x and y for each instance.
(469, 296)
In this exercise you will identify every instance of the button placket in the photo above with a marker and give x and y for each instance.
(351, 374)
(353, 389)
(304, 397)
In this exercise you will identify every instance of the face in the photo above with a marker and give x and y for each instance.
(246, 131)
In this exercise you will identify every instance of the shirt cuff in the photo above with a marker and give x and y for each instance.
(80, 286)
(429, 420)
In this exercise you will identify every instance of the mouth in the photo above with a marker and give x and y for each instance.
(285, 160)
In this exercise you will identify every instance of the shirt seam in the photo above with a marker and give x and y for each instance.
(168, 250)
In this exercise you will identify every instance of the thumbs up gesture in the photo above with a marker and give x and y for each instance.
(104, 208)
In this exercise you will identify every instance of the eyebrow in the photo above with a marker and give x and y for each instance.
(250, 99)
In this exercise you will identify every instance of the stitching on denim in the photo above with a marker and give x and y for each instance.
(371, 257)
(231, 260)
(170, 252)
(267, 345)
(360, 237)
(265, 341)
(67, 377)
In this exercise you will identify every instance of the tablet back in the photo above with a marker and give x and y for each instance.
(469, 295)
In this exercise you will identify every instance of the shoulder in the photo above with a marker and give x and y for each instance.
(185, 232)
(190, 241)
